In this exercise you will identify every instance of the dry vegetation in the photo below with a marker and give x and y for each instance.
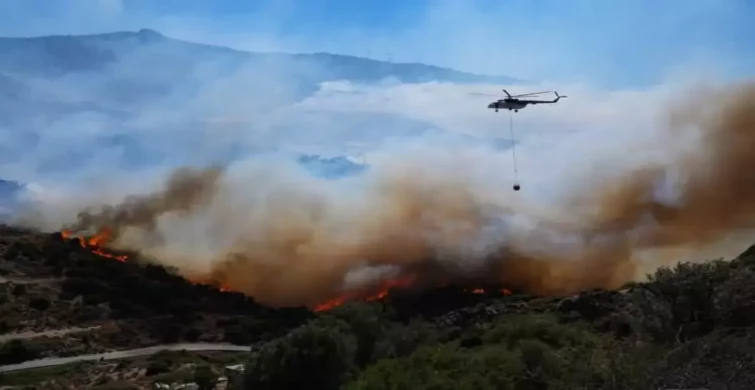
(49, 284)
(138, 373)
(691, 326)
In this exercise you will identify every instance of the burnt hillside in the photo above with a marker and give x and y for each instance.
(688, 326)
(79, 286)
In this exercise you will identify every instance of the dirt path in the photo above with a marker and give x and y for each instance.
(45, 333)
(27, 280)
(115, 355)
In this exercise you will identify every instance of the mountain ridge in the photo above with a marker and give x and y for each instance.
(133, 83)
(95, 47)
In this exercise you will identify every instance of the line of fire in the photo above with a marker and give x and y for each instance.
(98, 242)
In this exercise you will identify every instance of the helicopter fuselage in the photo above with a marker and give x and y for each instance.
(508, 104)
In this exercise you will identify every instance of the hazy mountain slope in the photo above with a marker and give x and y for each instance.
(9, 191)
(124, 85)
(122, 72)
(51, 56)
(128, 69)
(8, 188)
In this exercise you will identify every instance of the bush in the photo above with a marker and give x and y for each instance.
(192, 334)
(311, 357)
(377, 337)
(722, 359)
(678, 304)
(19, 290)
(694, 329)
(204, 377)
(40, 304)
(370, 329)
(17, 351)
(522, 352)
(120, 385)
(735, 299)
(83, 286)
(157, 366)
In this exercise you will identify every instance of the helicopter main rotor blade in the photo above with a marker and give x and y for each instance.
(485, 94)
(530, 94)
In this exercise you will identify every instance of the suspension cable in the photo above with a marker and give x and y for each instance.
(513, 149)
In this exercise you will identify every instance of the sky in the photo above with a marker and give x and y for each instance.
(626, 43)
(625, 65)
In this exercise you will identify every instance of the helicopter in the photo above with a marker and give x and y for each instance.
(516, 104)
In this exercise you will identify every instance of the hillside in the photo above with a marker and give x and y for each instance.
(8, 188)
(8, 197)
(691, 326)
(52, 56)
(121, 71)
(51, 282)
(120, 88)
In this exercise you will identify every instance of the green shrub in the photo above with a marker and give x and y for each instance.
(17, 351)
(313, 356)
(519, 352)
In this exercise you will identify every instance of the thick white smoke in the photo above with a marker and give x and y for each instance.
(436, 199)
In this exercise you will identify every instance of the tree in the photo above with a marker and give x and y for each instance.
(16, 351)
(314, 356)
(678, 304)
(204, 377)
(529, 352)
(40, 304)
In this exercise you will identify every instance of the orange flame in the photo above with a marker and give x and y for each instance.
(222, 287)
(96, 243)
(383, 290)
(503, 291)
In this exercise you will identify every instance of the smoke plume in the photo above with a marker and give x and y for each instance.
(711, 185)
(288, 240)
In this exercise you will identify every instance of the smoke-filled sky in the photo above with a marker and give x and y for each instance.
(607, 173)
(616, 43)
